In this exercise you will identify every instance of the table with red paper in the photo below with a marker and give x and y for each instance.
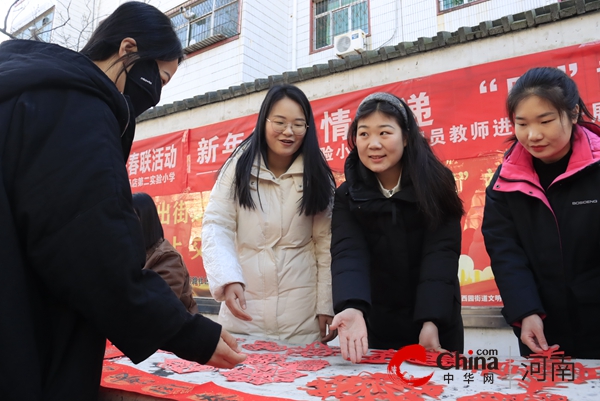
(279, 371)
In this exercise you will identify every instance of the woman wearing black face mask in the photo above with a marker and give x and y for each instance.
(72, 248)
(144, 84)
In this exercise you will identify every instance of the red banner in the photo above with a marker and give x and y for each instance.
(157, 165)
(461, 112)
(211, 145)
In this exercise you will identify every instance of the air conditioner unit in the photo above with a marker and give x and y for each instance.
(350, 43)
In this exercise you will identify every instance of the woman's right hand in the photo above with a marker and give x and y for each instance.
(352, 332)
(235, 301)
(227, 354)
(532, 334)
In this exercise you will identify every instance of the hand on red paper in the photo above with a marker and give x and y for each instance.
(324, 322)
(532, 334)
(235, 301)
(227, 354)
(429, 337)
(352, 329)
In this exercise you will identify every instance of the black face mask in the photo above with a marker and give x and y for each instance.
(143, 86)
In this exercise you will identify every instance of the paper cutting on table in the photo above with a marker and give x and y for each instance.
(378, 356)
(314, 349)
(310, 365)
(260, 345)
(370, 386)
(111, 351)
(261, 374)
(264, 359)
(539, 372)
(182, 366)
(126, 378)
(432, 359)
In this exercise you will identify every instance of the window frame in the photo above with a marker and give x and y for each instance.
(459, 7)
(313, 38)
(192, 49)
(44, 29)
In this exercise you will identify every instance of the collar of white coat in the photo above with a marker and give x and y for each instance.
(295, 171)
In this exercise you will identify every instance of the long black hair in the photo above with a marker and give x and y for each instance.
(552, 85)
(317, 180)
(152, 30)
(433, 182)
(145, 208)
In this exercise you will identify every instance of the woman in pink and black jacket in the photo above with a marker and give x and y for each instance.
(542, 218)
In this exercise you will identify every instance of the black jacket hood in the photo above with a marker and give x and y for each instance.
(29, 65)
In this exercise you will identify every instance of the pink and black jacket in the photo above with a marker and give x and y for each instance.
(545, 245)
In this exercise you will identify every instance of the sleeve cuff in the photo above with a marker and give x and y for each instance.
(196, 341)
(362, 306)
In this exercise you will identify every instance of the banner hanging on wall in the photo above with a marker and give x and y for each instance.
(461, 113)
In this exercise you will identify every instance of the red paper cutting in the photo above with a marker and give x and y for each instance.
(538, 372)
(212, 392)
(264, 359)
(310, 365)
(315, 349)
(431, 360)
(385, 356)
(182, 366)
(111, 351)
(260, 345)
(378, 356)
(261, 374)
(370, 386)
(132, 380)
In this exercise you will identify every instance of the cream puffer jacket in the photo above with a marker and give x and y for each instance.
(281, 257)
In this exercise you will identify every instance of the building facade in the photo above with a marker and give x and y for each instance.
(233, 41)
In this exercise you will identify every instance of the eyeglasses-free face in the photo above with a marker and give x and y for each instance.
(280, 126)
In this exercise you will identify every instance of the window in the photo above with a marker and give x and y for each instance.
(334, 17)
(206, 22)
(38, 29)
(448, 4)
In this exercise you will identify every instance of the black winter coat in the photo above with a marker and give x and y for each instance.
(71, 248)
(544, 245)
(385, 257)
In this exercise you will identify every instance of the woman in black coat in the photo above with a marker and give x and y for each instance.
(395, 238)
(541, 221)
(72, 248)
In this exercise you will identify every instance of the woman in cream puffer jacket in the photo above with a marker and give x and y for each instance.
(273, 258)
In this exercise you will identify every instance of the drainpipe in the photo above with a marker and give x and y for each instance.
(396, 2)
